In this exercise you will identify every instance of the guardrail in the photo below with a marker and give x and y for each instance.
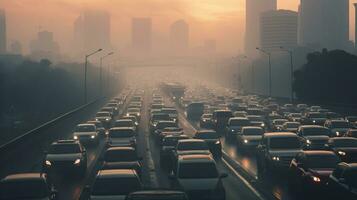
(17, 140)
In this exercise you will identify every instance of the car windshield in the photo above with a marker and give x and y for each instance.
(121, 133)
(224, 114)
(207, 116)
(295, 115)
(115, 186)
(239, 122)
(253, 131)
(197, 170)
(279, 122)
(345, 143)
(285, 143)
(188, 146)
(103, 114)
(133, 110)
(16, 190)
(64, 148)
(255, 118)
(87, 128)
(158, 117)
(340, 124)
(292, 125)
(162, 125)
(317, 115)
(124, 123)
(169, 111)
(207, 135)
(120, 156)
(316, 131)
(157, 106)
(321, 161)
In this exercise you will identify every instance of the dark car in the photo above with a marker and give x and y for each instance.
(206, 121)
(157, 195)
(314, 137)
(161, 125)
(122, 158)
(220, 119)
(343, 181)
(310, 170)
(212, 139)
(168, 145)
(314, 118)
(351, 133)
(345, 148)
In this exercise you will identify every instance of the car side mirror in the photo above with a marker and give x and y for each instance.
(223, 175)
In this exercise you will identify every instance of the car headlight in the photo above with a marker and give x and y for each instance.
(218, 142)
(48, 163)
(232, 130)
(275, 158)
(92, 136)
(316, 179)
(262, 124)
(138, 114)
(136, 123)
(127, 114)
(337, 133)
(75, 137)
(106, 119)
(342, 153)
(246, 141)
(204, 120)
(77, 161)
(313, 121)
(308, 141)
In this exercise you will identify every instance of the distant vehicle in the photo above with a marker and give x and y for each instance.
(291, 127)
(168, 145)
(194, 170)
(132, 118)
(115, 106)
(206, 121)
(168, 131)
(172, 112)
(235, 125)
(220, 119)
(104, 117)
(315, 108)
(134, 111)
(309, 171)
(122, 158)
(156, 117)
(333, 115)
(240, 114)
(27, 186)
(338, 127)
(115, 183)
(314, 137)
(278, 124)
(345, 148)
(257, 120)
(136, 98)
(343, 181)
(302, 107)
(195, 110)
(99, 125)
(157, 195)
(351, 133)
(161, 125)
(212, 139)
(86, 133)
(250, 137)
(111, 110)
(276, 151)
(314, 118)
(125, 123)
(68, 155)
(121, 137)
(255, 111)
(188, 147)
(294, 117)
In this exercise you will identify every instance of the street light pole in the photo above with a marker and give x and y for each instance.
(291, 72)
(85, 73)
(269, 55)
(253, 78)
(101, 73)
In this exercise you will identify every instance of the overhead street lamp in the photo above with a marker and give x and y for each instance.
(100, 73)
(85, 73)
(291, 72)
(269, 55)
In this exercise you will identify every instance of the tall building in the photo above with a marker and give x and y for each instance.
(15, 48)
(355, 5)
(2, 32)
(44, 46)
(92, 31)
(141, 35)
(325, 23)
(179, 37)
(253, 10)
(278, 29)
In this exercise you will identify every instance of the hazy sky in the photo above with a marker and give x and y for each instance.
(219, 19)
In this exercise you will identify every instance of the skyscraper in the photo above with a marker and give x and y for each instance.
(2, 32)
(325, 23)
(253, 10)
(141, 35)
(44, 46)
(92, 31)
(179, 37)
(278, 28)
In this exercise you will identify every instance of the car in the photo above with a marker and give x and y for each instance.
(68, 155)
(338, 127)
(172, 112)
(206, 121)
(34, 186)
(125, 123)
(257, 120)
(195, 110)
(220, 119)
(114, 184)
(309, 172)
(276, 151)
(240, 114)
(161, 125)
(250, 137)
(86, 133)
(351, 133)
(314, 137)
(343, 181)
(122, 158)
(345, 148)
(111, 110)
(314, 118)
(132, 118)
(157, 195)
(115, 106)
(301, 107)
(121, 137)
(136, 98)
(168, 145)
(191, 146)
(99, 125)
(291, 126)
(235, 125)
(169, 131)
(277, 125)
(334, 116)
(212, 138)
(104, 117)
(294, 117)
(134, 112)
(315, 108)
(198, 176)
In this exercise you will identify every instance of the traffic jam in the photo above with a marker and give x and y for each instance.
(180, 137)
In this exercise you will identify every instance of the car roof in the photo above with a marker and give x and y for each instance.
(158, 192)
(121, 129)
(203, 131)
(252, 127)
(342, 138)
(86, 124)
(196, 158)
(65, 142)
(311, 126)
(116, 173)
(318, 152)
(238, 118)
(124, 120)
(24, 176)
(120, 149)
(279, 134)
(191, 140)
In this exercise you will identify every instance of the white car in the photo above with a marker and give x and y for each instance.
(250, 136)
(122, 137)
(86, 133)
